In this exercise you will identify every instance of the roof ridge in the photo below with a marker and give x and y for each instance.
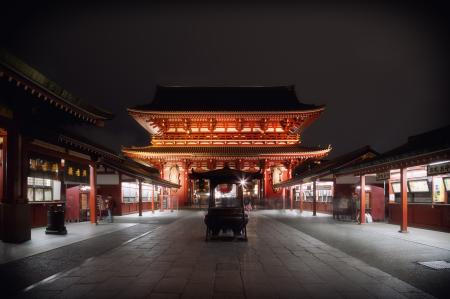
(225, 98)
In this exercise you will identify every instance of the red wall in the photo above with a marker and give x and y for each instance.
(376, 197)
(274, 198)
(38, 215)
(133, 207)
(377, 202)
(422, 215)
(180, 194)
(321, 207)
(73, 204)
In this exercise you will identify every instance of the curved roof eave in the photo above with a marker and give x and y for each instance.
(318, 108)
(52, 89)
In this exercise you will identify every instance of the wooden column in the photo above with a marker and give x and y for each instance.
(300, 195)
(403, 200)
(291, 193)
(265, 184)
(171, 199)
(93, 192)
(315, 198)
(140, 197)
(177, 202)
(153, 199)
(161, 200)
(15, 212)
(362, 199)
(260, 189)
(161, 174)
(14, 169)
(120, 206)
(186, 184)
(284, 198)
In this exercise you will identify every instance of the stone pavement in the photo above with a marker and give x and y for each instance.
(382, 246)
(79, 231)
(174, 261)
(40, 242)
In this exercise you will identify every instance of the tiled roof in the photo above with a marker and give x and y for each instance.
(331, 166)
(56, 95)
(110, 159)
(225, 98)
(418, 150)
(226, 151)
(133, 168)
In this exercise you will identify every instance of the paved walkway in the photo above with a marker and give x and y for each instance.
(40, 242)
(382, 246)
(173, 261)
(50, 254)
(77, 232)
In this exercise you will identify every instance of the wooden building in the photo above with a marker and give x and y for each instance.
(316, 187)
(252, 129)
(132, 186)
(38, 164)
(32, 111)
(417, 179)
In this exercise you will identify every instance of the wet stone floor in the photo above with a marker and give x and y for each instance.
(174, 261)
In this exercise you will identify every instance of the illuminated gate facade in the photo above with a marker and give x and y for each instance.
(253, 129)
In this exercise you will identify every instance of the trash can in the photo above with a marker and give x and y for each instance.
(56, 220)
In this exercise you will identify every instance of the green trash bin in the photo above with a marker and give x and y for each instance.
(56, 220)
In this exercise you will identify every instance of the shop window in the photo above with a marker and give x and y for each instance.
(129, 192)
(40, 189)
(324, 195)
(324, 192)
(418, 191)
(147, 192)
(308, 193)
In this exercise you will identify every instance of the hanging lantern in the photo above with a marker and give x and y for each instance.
(225, 188)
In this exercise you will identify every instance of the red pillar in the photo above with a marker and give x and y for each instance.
(153, 200)
(140, 197)
(93, 192)
(291, 193)
(362, 197)
(186, 185)
(315, 198)
(284, 198)
(266, 186)
(170, 199)
(404, 200)
(300, 195)
(161, 200)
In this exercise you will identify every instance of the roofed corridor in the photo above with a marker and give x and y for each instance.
(174, 261)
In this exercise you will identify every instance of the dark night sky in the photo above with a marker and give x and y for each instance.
(381, 69)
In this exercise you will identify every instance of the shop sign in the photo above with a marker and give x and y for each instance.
(76, 173)
(44, 167)
(324, 187)
(438, 169)
(438, 190)
(382, 176)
